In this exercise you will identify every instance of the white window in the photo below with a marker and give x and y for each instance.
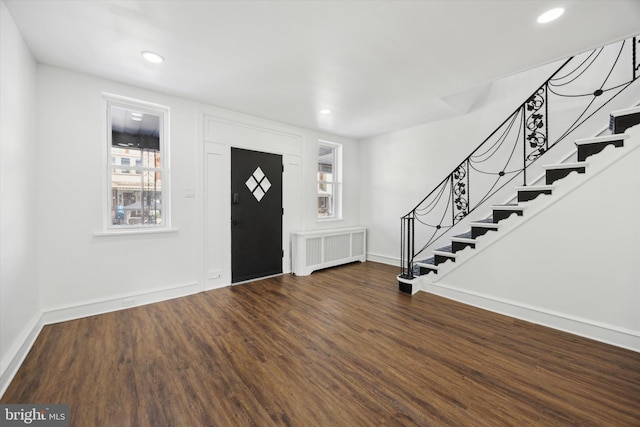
(329, 180)
(125, 162)
(138, 172)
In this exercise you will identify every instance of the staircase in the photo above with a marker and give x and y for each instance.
(571, 104)
(447, 256)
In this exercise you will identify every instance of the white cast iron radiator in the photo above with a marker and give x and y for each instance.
(313, 250)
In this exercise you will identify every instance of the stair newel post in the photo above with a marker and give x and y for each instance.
(407, 245)
(634, 59)
(469, 209)
(453, 201)
(412, 236)
(524, 144)
(546, 115)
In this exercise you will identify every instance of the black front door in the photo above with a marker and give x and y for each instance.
(256, 214)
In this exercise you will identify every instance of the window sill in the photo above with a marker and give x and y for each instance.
(136, 231)
(329, 219)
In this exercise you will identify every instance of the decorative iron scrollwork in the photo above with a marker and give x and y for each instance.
(523, 138)
(636, 57)
(460, 192)
(536, 135)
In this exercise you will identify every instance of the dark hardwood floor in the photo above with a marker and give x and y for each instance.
(341, 347)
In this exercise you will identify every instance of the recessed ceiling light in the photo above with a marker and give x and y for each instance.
(136, 118)
(325, 111)
(152, 57)
(550, 15)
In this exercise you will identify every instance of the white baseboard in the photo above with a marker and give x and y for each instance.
(19, 350)
(609, 334)
(121, 302)
(12, 362)
(383, 259)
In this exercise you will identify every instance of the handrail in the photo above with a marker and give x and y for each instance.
(494, 163)
(494, 132)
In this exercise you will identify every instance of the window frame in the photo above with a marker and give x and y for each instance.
(335, 181)
(162, 111)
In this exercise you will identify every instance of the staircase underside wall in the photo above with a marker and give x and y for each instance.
(574, 265)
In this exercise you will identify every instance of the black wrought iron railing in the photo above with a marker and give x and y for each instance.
(565, 102)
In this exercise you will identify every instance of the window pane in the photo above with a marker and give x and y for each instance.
(122, 179)
(135, 135)
(152, 198)
(325, 199)
(137, 203)
(131, 128)
(150, 159)
(325, 160)
(136, 167)
(133, 156)
(329, 174)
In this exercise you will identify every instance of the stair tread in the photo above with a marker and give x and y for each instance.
(510, 206)
(599, 139)
(429, 261)
(625, 111)
(466, 235)
(484, 221)
(535, 188)
(566, 165)
(448, 249)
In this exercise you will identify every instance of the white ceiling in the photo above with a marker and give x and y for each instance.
(379, 66)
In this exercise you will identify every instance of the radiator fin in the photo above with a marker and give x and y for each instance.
(314, 251)
(336, 247)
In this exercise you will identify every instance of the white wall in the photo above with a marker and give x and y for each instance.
(78, 267)
(56, 262)
(222, 130)
(402, 167)
(572, 262)
(19, 298)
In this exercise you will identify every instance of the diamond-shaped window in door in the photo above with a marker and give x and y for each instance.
(258, 184)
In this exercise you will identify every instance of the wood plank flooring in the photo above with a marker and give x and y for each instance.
(341, 347)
